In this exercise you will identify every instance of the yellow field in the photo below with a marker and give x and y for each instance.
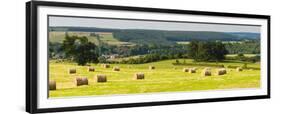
(165, 78)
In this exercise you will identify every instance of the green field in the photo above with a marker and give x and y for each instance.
(104, 38)
(165, 78)
(246, 55)
(188, 42)
(183, 42)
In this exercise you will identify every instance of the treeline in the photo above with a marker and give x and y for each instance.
(145, 53)
(141, 36)
(242, 57)
(250, 47)
(157, 55)
(148, 58)
(170, 37)
(80, 50)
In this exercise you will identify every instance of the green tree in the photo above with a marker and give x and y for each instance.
(80, 49)
(207, 51)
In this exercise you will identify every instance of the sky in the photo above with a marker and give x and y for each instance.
(140, 24)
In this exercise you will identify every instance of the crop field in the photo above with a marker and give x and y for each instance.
(246, 55)
(188, 42)
(183, 42)
(166, 77)
(104, 37)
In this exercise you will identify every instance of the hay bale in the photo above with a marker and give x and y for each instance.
(85, 81)
(139, 76)
(206, 73)
(151, 67)
(52, 85)
(192, 70)
(91, 69)
(221, 71)
(101, 78)
(185, 70)
(81, 81)
(105, 65)
(72, 71)
(116, 69)
(238, 69)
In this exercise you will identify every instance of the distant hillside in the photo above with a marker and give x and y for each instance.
(141, 36)
(246, 35)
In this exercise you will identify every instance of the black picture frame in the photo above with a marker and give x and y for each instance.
(32, 54)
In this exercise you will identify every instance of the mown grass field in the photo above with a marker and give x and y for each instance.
(104, 38)
(246, 55)
(188, 42)
(165, 78)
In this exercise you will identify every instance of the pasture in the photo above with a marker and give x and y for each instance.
(104, 37)
(166, 77)
(246, 55)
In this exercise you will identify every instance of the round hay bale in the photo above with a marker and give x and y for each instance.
(85, 81)
(101, 78)
(139, 76)
(72, 71)
(221, 71)
(192, 70)
(81, 81)
(52, 85)
(239, 69)
(105, 65)
(185, 70)
(116, 69)
(206, 73)
(91, 69)
(151, 67)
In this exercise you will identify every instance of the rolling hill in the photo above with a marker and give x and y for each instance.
(141, 36)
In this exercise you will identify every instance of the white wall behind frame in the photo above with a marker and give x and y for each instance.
(13, 62)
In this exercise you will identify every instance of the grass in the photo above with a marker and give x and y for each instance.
(246, 55)
(165, 78)
(188, 42)
(56, 36)
(104, 37)
(183, 42)
(125, 58)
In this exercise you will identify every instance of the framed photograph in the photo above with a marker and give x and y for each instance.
(85, 56)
